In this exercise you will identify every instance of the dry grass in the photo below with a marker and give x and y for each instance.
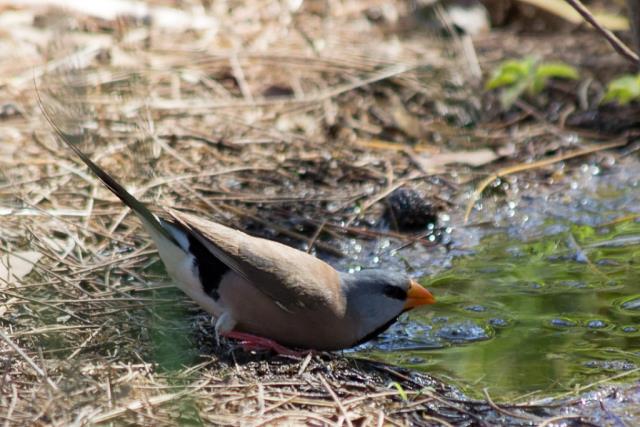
(270, 118)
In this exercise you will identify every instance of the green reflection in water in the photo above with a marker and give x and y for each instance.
(564, 311)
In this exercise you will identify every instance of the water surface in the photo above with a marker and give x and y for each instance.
(544, 307)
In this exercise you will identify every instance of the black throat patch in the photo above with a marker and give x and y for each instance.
(376, 332)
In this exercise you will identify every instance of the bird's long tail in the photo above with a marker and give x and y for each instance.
(150, 221)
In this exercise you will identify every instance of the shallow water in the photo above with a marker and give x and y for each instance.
(545, 304)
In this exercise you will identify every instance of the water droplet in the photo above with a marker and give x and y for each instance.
(562, 323)
(463, 331)
(596, 324)
(607, 262)
(477, 308)
(572, 138)
(611, 365)
(632, 304)
(535, 285)
(333, 207)
(498, 322)
(573, 284)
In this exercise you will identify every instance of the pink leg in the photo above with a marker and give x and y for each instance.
(253, 342)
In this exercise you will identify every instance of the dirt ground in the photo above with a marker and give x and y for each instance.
(313, 123)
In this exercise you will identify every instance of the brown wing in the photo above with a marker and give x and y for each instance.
(294, 279)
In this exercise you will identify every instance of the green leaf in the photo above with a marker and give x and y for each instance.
(538, 83)
(522, 67)
(502, 79)
(401, 392)
(510, 94)
(556, 70)
(547, 70)
(514, 77)
(510, 72)
(623, 89)
(583, 232)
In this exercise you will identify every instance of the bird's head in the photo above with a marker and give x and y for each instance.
(375, 298)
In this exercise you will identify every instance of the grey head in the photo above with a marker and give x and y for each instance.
(375, 298)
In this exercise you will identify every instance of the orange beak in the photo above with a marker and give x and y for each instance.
(417, 296)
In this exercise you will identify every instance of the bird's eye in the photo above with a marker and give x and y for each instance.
(395, 292)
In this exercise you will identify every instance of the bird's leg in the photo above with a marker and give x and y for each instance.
(224, 327)
(254, 342)
(224, 324)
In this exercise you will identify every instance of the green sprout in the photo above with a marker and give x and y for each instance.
(516, 77)
(401, 392)
(623, 90)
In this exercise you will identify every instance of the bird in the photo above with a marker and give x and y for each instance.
(264, 293)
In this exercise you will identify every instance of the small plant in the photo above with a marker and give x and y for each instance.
(515, 77)
(623, 90)
(401, 392)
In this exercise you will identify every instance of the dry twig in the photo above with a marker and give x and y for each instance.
(614, 41)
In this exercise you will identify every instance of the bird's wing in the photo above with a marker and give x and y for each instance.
(294, 279)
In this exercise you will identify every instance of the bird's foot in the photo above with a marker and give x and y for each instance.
(250, 342)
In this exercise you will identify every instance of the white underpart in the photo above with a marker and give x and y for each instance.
(180, 266)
